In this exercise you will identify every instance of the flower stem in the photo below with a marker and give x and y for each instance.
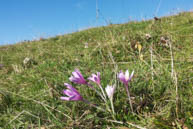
(97, 92)
(93, 105)
(112, 106)
(128, 94)
(102, 96)
(103, 92)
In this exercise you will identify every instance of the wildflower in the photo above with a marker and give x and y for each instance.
(72, 93)
(110, 91)
(125, 78)
(95, 78)
(77, 77)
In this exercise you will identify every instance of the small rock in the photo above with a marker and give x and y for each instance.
(26, 61)
(148, 36)
(164, 41)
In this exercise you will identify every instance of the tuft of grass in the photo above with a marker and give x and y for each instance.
(161, 89)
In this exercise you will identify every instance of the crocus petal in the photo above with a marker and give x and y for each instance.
(122, 76)
(70, 87)
(75, 74)
(73, 79)
(76, 98)
(95, 78)
(98, 77)
(72, 93)
(68, 92)
(91, 79)
(72, 98)
(127, 75)
(108, 91)
(94, 75)
(65, 98)
(131, 76)
(98, 74)
(79, 73)
(77, 77)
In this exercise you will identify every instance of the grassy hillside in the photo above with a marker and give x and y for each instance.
(161, 89)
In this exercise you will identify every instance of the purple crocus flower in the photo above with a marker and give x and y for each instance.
(71, 93)
(77, 77)
(95, 78)
(125, 78)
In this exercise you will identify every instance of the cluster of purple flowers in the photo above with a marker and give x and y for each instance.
(71, 94)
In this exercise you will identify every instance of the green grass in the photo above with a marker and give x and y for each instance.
(29, 95)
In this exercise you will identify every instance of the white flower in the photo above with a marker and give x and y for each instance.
(110, 91)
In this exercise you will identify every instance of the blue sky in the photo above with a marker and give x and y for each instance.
(31, 19)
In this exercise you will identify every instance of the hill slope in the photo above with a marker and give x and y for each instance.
(159, 51)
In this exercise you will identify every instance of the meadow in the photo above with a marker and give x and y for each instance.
(159, 51)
